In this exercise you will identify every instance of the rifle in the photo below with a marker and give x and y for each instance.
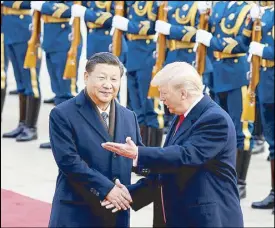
(33, 43)
(117, 37)
(249, 101)
(71, 63)
(161, 47)
(200, 48)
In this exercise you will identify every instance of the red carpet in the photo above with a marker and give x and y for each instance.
(21, 211)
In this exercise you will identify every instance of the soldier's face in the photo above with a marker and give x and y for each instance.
(103, 83)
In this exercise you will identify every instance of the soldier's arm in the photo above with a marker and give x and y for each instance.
(185, 33)
(145, 27)
(58, 10)
(103, 19)
(17, 4)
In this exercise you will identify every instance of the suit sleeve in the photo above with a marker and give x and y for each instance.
(68, 160)
(143, 191)
(58, 10)
(208, 140)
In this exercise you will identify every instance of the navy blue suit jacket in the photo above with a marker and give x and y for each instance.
(86, 170)
(197, 167)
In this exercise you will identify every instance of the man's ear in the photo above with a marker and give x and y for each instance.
(86, 75)
(183, 94)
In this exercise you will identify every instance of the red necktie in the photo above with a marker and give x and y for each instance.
(179, 122)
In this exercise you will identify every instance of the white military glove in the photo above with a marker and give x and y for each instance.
(256, 12)
(203, 6)
(37, 5)
(120, 23)
(256, 48)
(162, 27)
(78, 11)
(203, 37)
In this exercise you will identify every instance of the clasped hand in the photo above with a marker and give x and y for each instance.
(118, 198)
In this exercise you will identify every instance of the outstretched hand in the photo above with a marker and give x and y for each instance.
(129, 149)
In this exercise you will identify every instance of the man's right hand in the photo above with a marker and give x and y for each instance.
(119, 197)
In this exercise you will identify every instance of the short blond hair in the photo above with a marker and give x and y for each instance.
(180, 74)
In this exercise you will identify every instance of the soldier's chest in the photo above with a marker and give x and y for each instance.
(99, 6)
(182, 12)
(142, 10)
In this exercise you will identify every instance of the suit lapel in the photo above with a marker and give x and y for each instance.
(190, 119)
(88, 112)
(119, 123)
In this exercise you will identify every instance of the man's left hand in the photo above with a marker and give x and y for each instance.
(106, 203)
(128, 150)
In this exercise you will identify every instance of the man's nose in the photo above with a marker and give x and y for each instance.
(107, 85)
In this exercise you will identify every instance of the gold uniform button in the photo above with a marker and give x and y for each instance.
(190, 50)
(218, 35)
(269, 33)
(62, 25)
(173, 15)
(140, 7)
(54, 7)
(147, 41)
(21, 16)
(228, 26)
(106, 32)
(236, 60)
(223, 43)
(90, 30)
(130, 16)
(97, 14)
(266, 44)
(183, 31)
(264, 69)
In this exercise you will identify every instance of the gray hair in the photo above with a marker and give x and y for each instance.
(180, 75)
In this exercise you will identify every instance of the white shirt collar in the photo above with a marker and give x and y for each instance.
(107, 110)
(193, 105)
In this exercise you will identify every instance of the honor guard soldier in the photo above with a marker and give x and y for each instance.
(98, 16)
(180, 30)
(4, 66)
(17, 23)
(265, 88)
(230, 69)
(56, 43)
(139, 26)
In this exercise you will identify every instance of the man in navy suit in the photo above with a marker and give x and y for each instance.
(88, 173)
(196, 166)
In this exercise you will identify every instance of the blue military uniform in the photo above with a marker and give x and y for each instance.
(4, 68)
(265, 93)
(98, 18)
(184, 20)
(230, 69)
(16, 28)
(56, 44)
(140, 61)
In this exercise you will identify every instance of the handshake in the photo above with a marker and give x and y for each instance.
(118, 198)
